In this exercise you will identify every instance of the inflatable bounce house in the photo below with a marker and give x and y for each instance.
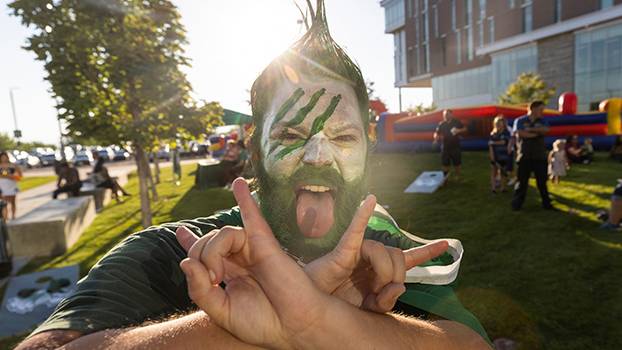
(405, 132)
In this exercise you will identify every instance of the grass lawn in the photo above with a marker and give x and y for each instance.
(549, 280)
(34, 181)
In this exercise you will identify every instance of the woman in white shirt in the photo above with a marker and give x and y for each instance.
(9, 175)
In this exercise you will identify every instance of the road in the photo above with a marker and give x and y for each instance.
(33, 198)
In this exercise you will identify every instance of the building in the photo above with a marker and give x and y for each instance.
(469, 51)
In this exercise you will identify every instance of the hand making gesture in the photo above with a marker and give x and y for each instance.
(268, 299)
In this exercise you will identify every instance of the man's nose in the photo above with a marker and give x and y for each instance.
(317, 152)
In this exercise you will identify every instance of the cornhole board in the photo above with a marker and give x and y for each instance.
(29, 299)
(427, 182)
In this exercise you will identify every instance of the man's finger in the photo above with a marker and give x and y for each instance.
(399, 264)
(385, 300)
(376, 254)
(353, 237)
(185, 237)
(252, 218)
(197, 247)
(229, 240)
(209, 297)
(420, 255)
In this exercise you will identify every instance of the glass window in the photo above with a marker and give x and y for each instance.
(468, 13)
(527, 16)
(481, 33)
(482, 10)
(394, 15)
(436, 31)
(606, 3)
(470, 49)
(453, 15)
(426, 36)
(511, 3)
(399, 41)
(470, 86)
(458, 47)
(508, 65)
(558, 10)
(598, 64)
(491, 29)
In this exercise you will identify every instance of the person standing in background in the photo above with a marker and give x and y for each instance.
(531, 155)
(449, 131)
(9, 175)
(500, 154)
(558, 162)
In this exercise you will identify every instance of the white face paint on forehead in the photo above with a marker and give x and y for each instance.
(290, 141)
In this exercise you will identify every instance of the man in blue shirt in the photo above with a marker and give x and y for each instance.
(529, 131)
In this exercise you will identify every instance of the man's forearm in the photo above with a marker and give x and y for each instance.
(347, 327)
(193, 331)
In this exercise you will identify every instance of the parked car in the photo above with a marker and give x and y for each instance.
(163, 153)
(47, 159)
(24, 159)
(121, 154)
(106, 153)
(83, 158)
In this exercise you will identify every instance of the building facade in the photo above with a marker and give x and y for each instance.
(469, 51)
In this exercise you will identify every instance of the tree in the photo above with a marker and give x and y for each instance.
(115, 71)
(528, 87)
(6, 142)
(421, 108)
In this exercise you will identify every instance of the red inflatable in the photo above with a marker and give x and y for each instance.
(568, 103)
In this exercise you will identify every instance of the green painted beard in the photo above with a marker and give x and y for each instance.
(278, 204)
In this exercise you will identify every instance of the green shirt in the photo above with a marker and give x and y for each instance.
(140, 280)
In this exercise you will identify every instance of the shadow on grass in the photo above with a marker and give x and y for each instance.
(201, 203)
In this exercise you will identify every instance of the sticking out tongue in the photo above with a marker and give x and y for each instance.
(314, 213)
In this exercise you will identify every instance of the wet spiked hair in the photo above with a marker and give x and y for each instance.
(316, 54)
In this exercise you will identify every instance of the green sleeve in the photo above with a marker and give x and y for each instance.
(443, 302)
(138, 280)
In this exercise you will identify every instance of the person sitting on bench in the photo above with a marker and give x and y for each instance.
(68, 180)
(102, 178)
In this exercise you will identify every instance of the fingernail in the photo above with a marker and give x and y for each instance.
(187, 271)
(212, 276)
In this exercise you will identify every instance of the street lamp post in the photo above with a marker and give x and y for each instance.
(16, 133)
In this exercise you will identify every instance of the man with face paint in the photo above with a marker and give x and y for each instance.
(305, 264)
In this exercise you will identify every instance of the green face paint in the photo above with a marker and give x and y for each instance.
(287, 150)
(318, 123)
(304, 111)
(289, 103)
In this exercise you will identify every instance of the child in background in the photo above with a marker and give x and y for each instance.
(558, 163)
(587, 151)
(500, 150)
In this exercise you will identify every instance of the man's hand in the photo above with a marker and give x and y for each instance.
(366, 273)
(258, 304)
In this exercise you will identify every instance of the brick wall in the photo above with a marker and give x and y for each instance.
(556, 63)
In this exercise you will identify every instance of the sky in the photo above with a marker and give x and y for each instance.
(230, 42)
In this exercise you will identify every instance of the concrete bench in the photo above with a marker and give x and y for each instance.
(52, 228)
(102, 196)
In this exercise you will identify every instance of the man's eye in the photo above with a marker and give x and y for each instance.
(344, 138)
(288, 136)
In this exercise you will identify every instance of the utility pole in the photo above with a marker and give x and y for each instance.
(16, 133)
